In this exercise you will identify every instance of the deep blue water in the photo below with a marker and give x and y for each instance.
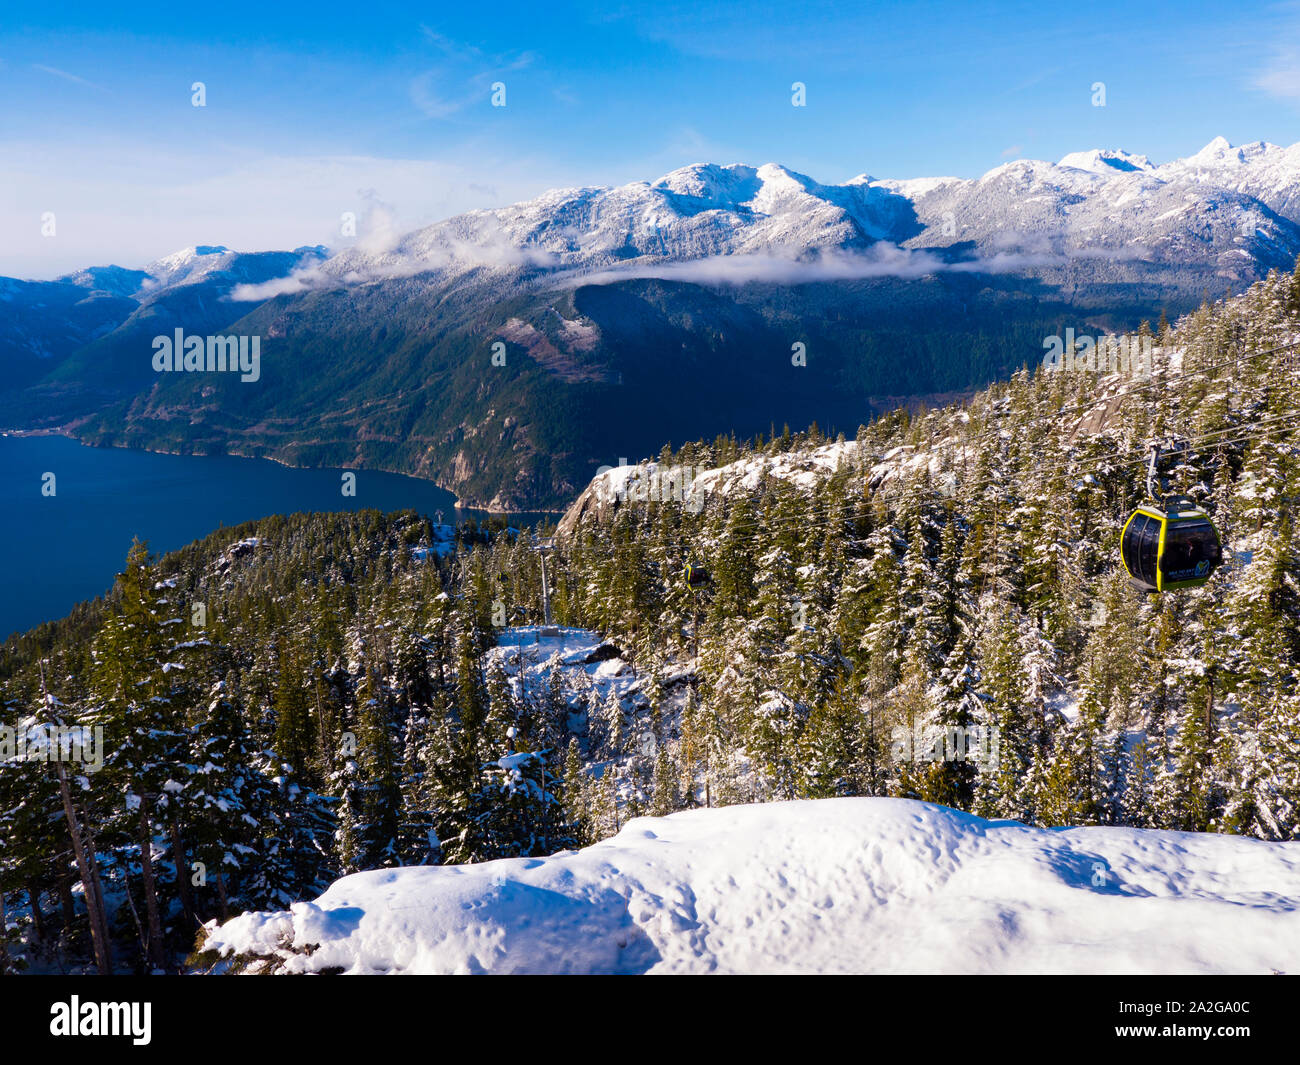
(58, 550)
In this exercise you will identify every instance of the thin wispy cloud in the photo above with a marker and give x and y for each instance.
(66, 76)
(453, 50)
(1280, 76)
(463, 77)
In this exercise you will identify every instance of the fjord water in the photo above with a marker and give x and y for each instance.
(58, 550)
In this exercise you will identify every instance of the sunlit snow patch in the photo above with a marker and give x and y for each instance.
(832, 885)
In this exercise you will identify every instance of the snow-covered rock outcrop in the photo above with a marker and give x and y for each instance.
(832, 885)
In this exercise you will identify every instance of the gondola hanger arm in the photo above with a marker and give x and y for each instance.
(1152, 475)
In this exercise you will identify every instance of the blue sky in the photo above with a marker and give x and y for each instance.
(384, 108)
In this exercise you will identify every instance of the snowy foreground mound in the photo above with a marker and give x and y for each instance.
(833, 885)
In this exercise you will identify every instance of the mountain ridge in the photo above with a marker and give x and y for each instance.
(508, 353)
(1265, 171)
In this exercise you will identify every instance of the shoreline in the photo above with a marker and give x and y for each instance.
(458, 503)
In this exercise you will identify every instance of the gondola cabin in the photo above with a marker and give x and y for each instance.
(697, 577)
(1164, 550)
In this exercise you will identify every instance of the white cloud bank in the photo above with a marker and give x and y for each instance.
(880, 260)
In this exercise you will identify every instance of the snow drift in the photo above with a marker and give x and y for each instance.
(831, 885)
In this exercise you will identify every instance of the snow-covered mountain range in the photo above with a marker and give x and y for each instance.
(1230, 209)
(202, 263)
(605, 299)
(1233, 209)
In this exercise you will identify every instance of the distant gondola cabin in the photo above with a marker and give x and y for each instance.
(697, 577)
(1164, 550)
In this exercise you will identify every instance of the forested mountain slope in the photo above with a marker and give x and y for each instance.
(69, 347)
(360, 692)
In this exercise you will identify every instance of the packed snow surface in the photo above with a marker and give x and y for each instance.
(830, 885)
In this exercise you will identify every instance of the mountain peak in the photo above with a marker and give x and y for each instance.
(185, 256)
(712, 184)
(116, 280)
(1220, 152)
(1107, 161)
(778, 172)
(729, 187)
(1214, 152)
